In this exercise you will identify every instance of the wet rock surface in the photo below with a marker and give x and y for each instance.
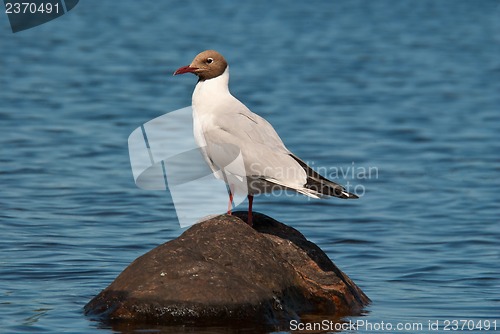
(223, 271)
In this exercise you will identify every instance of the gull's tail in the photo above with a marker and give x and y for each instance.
(320, 186)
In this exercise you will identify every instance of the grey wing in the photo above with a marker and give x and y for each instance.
(264, 154)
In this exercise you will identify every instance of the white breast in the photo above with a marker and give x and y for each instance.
(208, 96)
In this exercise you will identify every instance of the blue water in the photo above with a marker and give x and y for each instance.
(410, 89)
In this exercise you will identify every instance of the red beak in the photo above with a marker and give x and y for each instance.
(185, 69)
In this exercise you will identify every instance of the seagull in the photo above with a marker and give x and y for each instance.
(221, 123)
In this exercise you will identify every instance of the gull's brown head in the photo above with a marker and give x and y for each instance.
(206, 65)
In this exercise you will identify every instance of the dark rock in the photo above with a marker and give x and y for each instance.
(222, 271)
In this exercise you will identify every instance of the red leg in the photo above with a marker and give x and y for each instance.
(230, 204)
(250, 202)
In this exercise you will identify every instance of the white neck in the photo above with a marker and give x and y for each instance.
(208, 92)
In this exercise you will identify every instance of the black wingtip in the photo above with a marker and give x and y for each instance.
(352, 196)
(321, 185)
(344, 194)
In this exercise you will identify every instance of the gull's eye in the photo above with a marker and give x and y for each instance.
(210, 60)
